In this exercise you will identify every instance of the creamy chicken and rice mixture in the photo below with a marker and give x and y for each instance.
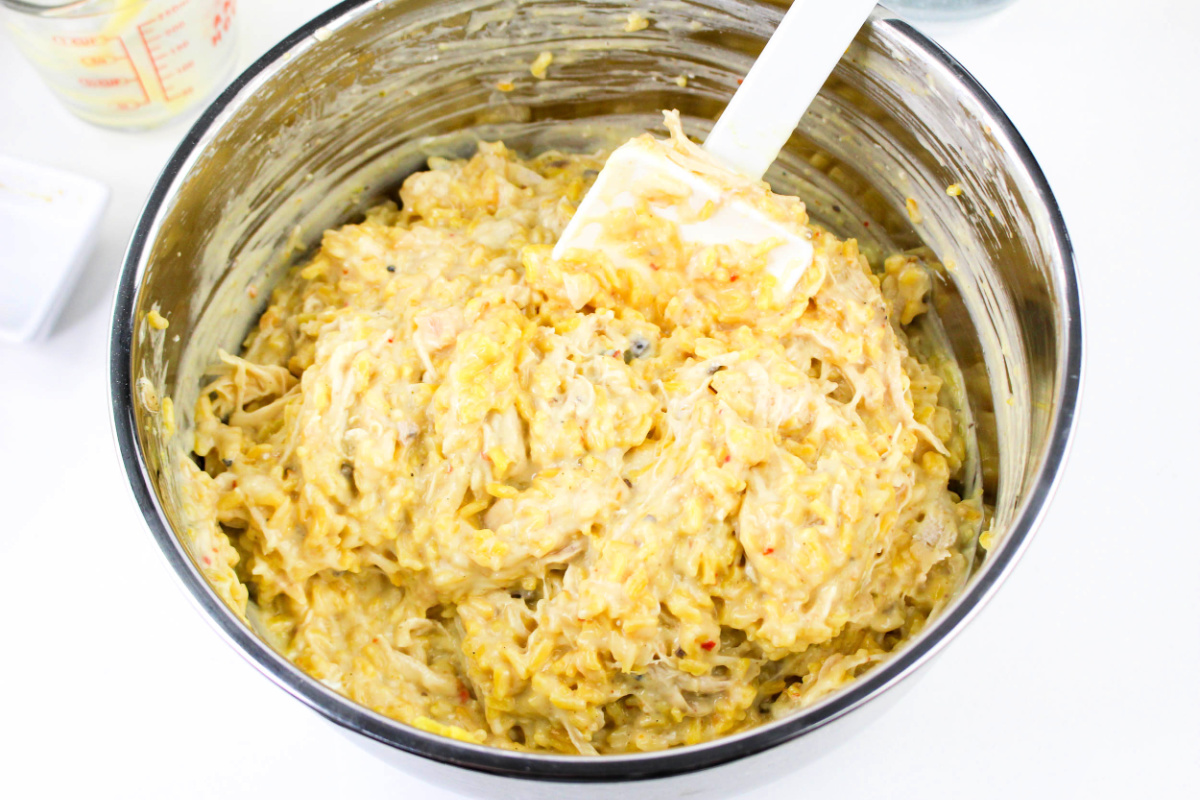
(553, 505)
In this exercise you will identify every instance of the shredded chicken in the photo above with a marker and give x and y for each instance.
(553, 506)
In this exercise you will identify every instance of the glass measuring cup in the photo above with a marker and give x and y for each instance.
(126, 63)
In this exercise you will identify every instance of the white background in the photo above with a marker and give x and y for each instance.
(1081, 679)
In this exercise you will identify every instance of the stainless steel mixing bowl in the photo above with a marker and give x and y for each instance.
(334, 117)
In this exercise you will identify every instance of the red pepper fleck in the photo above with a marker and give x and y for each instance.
(391, 339)
(739, 80)
(207, 561)
(728, 459)
(768, 551)
(463, 694)
(653, 266)
(708, 645)
(733, 278)
(866, 224)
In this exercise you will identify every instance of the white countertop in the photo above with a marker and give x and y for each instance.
(1078, 680)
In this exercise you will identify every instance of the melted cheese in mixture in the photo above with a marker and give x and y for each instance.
(560, 506)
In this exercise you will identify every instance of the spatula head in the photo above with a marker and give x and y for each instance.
(653, 191)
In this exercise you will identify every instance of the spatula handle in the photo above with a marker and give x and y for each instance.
(768, 105)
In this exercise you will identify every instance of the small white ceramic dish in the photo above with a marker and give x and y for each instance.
(48, 222)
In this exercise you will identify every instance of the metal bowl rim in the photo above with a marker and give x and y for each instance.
(609, 768)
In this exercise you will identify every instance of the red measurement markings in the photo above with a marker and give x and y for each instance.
(136, 74)
(165, 45)
(79, 41)
(222, 20)
(111, 58)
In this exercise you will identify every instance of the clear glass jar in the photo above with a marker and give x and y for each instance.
(126, 63)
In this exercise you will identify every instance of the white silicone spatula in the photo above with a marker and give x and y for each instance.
(756, 124)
